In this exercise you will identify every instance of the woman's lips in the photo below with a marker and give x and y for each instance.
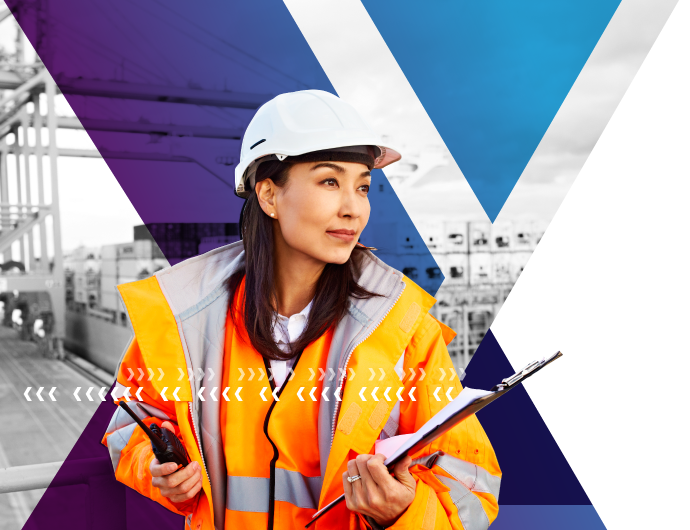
(342, 234)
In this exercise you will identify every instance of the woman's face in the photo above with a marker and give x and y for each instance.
(322, 209)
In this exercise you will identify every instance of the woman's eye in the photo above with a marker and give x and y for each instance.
(331, 183)
(364, 188)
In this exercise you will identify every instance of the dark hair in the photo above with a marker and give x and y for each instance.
(334, 288)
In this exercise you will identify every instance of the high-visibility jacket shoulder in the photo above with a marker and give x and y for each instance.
(179, 319)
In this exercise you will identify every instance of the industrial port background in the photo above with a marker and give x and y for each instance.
(69, 230)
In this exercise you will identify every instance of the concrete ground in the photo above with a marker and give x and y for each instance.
(35, 432)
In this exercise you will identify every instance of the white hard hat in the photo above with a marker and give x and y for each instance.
(302, 122)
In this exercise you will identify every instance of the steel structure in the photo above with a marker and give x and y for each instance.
(29, 219)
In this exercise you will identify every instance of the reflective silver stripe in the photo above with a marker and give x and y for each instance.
(117, 442)
(476, 478)
(295, 488)
(470, 509)
(250, 494)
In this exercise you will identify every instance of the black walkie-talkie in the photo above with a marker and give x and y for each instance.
(166, 446)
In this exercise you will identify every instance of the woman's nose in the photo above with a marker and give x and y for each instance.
(350, 205)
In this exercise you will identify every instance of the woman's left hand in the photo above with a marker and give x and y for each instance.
(377, 494)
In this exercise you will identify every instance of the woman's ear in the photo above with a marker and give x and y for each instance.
(266, 194)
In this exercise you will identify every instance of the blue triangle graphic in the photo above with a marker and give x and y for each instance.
(491, 75)
(527, 453)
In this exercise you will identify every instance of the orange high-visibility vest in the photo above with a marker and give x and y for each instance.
(179, 319)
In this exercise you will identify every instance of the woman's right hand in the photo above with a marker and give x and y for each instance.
(178, 485)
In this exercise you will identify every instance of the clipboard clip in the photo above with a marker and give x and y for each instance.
(519, 376)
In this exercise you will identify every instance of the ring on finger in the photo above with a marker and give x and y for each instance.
(353, 479)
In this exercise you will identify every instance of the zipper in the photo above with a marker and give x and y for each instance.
(198, 440)
(347, 360)
(276, 454)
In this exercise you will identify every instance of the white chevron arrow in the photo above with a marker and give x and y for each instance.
(242, 374)
(76, 393)
(50, 394)
(163, 393)
(343, 374)
(337, 394)
(200, 393)
(237, 394)
(101, 394)
(323, 374)
(352, 374)
(448, 393)
(263, 391)
(311, 394)
(162, 374)
(113, 393)
(443, 374)
(213, 393)
(263, 374)
(213, 374)
(385, 394)
(225, 393)
(138, 393)
(423, 374)
(412, 374)
(373, 393)
(181, 374)
(373, 374)
(275, 391)
(151, 374)
(412, 392)
(299, 393)
(436, 393)
(131, 374)
(383, 374)
(26, 393)
(126, 394)
(452, 374)
(199, 374)
(324, 392)
(251, 371)
(332, 374)
(360, 394)
(313, 374)
(397, 394)
(88, 394)
(270, 374)
(177, 389)
(141, 374)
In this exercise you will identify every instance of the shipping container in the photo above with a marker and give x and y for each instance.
(501, 236)
(524, 237)
(109, 267)
(136, 268)
(456, 239)
(480, 233)
(501, 263)
(432, 233)
(457, 269)
(209, 243)
(141, 249)
(108, 252)
(480, 268)
(518, 262)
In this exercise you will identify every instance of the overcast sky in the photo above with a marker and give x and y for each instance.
(95, 211)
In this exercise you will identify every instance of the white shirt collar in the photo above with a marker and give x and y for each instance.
(287, 330)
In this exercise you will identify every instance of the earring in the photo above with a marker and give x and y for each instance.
(273, 215)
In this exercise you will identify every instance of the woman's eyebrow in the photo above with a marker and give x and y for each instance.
(339, 169)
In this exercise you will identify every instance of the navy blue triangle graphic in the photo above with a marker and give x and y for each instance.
(528, 455)
(491, 75)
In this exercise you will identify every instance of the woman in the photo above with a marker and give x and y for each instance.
(299, 296)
